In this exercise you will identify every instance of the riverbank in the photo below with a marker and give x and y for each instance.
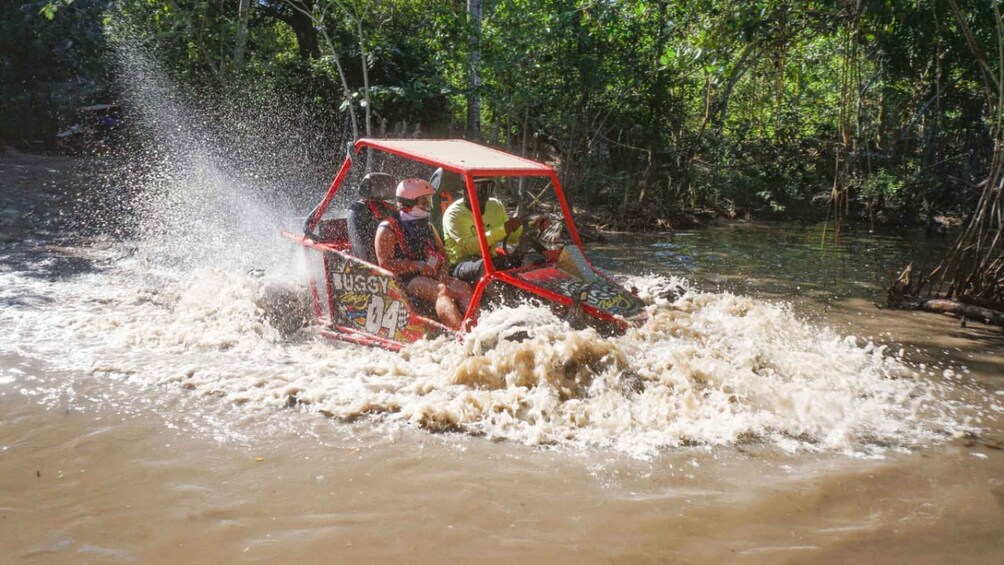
(74, 176)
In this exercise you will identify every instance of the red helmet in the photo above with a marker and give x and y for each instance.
(413, 189)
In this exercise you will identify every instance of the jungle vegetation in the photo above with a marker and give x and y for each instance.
(886, 110)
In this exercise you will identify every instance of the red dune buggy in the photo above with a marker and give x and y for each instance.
(357, 301)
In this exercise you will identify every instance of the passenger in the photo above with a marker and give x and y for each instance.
(408, 246)
(461, 235)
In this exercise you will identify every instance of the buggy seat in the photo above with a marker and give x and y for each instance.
(366, 213)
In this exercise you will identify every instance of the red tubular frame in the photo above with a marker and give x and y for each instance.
(352, 335)
(479, 225)
(318, 212)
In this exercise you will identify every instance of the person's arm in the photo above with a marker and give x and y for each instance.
(496, 235)
(540, 222)
(442, 270)
(386, 241)
(458, 224)
(496, 215)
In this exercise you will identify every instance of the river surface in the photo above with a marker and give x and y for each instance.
(768, 412)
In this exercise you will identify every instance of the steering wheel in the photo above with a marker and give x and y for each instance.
(530, 238)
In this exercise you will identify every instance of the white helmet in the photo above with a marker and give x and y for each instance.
(413, 189)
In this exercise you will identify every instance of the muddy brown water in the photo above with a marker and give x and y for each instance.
(108, 456)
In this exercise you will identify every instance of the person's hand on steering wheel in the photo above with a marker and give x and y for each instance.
(533, 227)
(512, 224)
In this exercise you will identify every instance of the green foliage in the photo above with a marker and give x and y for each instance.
(51, 63)
(882, 186)
(50, 8)
(645, 105)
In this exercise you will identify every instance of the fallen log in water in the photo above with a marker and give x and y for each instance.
(967, 311)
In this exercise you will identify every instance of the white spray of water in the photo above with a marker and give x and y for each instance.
(209, 194)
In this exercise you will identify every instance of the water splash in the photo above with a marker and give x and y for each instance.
(216, 176)
(706, 369)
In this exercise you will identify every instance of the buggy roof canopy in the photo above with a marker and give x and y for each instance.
(459, 155)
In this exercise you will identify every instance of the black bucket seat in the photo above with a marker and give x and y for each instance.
(365, 214)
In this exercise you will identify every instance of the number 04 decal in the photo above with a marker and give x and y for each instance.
(378, 318)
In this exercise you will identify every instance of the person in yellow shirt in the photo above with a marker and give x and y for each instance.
(461, 236)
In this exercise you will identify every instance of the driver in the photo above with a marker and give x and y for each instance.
(408, 246)
(462, 247)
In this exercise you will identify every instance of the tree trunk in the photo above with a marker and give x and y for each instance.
(974, 269)
(317, 17)
(902, 293)
(721, 106)
(357, 18)
(307, 46)
(366, 76)
(523, 145)
(648, 177)
(242, 34)
(965, 311)
(846, 148)
(474, 72)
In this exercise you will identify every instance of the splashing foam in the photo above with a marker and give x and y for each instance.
(708, 369)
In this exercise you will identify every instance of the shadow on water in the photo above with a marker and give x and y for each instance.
(58, 214)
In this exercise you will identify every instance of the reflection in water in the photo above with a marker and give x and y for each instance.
(779, 260)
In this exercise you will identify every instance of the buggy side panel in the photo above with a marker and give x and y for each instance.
(359, 302)
(594, 291)
(368, 299)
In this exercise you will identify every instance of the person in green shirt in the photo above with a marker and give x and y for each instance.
(461, 236)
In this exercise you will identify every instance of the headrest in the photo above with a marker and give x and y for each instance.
(447, 182)
(377, 186)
